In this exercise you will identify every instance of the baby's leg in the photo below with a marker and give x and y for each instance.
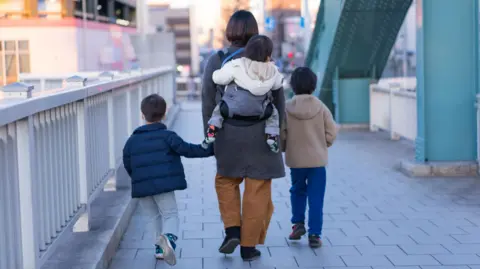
(272, 130)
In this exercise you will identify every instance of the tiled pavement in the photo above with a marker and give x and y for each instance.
(374, 216)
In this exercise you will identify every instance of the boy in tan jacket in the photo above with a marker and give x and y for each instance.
(308, 131)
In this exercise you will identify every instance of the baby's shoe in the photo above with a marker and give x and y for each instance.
(272, 141)
(210, 138)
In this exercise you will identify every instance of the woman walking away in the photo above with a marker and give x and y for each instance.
(241, 152)
(308, 132)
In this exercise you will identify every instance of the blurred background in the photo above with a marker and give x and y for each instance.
(67, 36)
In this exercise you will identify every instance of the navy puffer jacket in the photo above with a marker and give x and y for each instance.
(151, 157)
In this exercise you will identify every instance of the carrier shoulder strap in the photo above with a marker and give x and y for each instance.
(229, 57)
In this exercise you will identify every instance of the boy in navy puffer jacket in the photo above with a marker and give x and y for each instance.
(151, 157)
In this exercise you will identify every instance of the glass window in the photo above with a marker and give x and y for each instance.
(10, 45)
(11, 67)
(2, 73)
(23, 45)
(24, 63)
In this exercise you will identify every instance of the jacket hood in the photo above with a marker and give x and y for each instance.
(258, 77)
(150, 127)
(304, 106)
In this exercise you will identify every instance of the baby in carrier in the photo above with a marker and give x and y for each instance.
(249, 82)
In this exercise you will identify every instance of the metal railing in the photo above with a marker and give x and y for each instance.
(42, 82)
(393, 110)
(58, 149)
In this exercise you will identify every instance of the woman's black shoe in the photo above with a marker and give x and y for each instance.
(231, 241)
(250, 253)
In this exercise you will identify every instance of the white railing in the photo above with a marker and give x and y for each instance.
(42, 82)
(393, 110)
(57, 150)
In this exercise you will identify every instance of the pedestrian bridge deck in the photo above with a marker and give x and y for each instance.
(375, 217)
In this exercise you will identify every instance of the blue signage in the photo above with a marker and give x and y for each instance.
(302, 22)
(270, 24)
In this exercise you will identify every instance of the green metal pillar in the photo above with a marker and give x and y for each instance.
(447, 77)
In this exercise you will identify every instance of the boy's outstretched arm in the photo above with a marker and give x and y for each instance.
(224, 75)
(126, 158)
(330, 128)
(188, 150)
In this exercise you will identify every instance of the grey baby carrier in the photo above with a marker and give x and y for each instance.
(240, 104)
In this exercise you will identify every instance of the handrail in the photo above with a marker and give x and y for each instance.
(12, 111)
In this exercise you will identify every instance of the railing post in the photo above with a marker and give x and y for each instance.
(75, 81)
(83, 223)
(17, 90)
(373, 128)
(106, 76)
(129, 111)
(26, 153)
(393, 134)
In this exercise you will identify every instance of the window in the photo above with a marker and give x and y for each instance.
(14, 59)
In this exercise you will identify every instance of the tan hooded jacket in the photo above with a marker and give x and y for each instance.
(308, 131)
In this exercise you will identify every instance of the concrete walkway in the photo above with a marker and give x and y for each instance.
(375, 217)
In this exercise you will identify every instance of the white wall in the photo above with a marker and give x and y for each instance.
(60, 46)
(52, 49)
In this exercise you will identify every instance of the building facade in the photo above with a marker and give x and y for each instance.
(180, 22)
(50, 37)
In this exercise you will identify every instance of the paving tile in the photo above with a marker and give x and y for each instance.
(467, 239)
(396, 267)
(424, 249)
(321, 261)
(349, 241)
(463, 248)
(380, 250)
(448, 267)
(136, 263)
(366, 260)
(391, 240)
(337, 251)
(458, 259)
(431, 240)
(228, 262)
(266, 261)
(415, 260)
(182, 264)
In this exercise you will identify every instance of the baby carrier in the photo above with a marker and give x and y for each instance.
(238, 103)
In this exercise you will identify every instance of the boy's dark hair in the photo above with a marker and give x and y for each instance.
(303, 81)
(153, 108)
(241, 27)
(259, 48)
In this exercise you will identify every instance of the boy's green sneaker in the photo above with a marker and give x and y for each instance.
(158, 252)
(167, 246)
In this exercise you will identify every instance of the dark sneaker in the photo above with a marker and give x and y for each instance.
(314, 241)
(272, 142)
(229, 245)
(231, 241)
(168, 246)
(250, 253)
(298, 230)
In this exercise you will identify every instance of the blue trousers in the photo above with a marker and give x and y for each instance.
(308, 183)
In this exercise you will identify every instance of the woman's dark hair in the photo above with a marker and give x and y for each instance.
(241, 27)
(259, 48)
(153, 108)
(303, 81)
